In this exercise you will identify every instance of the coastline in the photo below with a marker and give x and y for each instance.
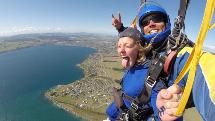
(14, 46)
(83, 114)
(99, 62)
(89, 97)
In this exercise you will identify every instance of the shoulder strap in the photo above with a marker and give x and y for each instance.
(169, 61)
(155, 69)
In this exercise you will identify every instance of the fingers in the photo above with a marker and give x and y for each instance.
(171, 111)
(119, 17)
(168, 101)
(167, 117)
(164, 94)
(113, 16)
(174, 89)
(162, 97)
(176, 97)
(172, 94)
(169, 105)
(115, 21)
(166, 114)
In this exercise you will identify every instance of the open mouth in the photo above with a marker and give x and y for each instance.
(153, 31)
(125, 61)
(125, 57)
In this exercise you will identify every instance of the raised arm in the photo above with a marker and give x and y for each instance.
(117, 23)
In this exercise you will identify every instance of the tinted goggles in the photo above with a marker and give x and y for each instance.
(155, 18)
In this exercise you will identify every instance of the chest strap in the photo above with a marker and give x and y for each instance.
(155, 70)
(169, 61)
(135, 113)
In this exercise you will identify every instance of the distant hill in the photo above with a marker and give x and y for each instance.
(50, 36)
(101, 42)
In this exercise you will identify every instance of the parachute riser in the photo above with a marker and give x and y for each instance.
(179, 26)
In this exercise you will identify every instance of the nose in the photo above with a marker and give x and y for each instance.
(121, 50)
(151, 24)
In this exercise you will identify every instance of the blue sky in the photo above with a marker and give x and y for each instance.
(27, 16)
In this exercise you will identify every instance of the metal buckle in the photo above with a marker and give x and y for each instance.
(134, 106)
(150, 82)
(124, 117)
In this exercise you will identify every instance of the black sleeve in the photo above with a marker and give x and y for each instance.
(122, 28)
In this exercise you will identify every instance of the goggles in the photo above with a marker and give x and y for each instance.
(156, 18)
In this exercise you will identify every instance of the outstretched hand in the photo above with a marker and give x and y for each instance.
(168, 101)
(116, 22)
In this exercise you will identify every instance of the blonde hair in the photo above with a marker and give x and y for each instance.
(143, 52)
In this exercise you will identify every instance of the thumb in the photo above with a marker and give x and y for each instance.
(113, 16)
(174, 89)
(164, 94)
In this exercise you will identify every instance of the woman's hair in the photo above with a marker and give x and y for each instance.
(142, 53)
(138, 39)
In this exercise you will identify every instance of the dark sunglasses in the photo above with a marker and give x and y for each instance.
(154, 18)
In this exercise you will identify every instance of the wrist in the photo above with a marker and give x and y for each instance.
(120, 28)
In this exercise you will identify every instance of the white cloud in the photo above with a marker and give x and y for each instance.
(210, 48)
(29, 29)
(23, 30)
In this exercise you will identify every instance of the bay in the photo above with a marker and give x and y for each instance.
(26, 74)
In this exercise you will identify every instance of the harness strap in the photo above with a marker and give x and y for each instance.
(155, 69)
(183, 8)
(169, 61)
(181, 14)
(117, 94)
(135, 113)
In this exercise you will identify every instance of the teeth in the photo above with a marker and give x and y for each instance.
(125, 57)
(153, 31)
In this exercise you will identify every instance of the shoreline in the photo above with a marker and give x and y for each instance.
(104, 65)
(74, 109)
(83, 114)
(89, 112)
(89, 97)
(14, 46)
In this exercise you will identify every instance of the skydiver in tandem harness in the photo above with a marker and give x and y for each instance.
(136, 99)
(142, 81)
(203, 88)
(127, 105)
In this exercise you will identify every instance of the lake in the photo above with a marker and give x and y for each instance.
(26, 74)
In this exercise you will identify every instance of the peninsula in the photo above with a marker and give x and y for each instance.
(88, 97)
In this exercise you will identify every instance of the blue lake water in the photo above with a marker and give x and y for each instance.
(27, 73)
